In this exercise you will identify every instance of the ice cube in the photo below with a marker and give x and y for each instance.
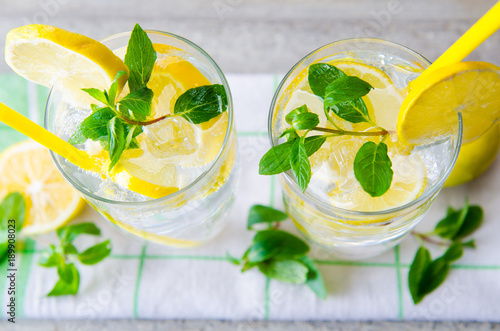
(171, 137)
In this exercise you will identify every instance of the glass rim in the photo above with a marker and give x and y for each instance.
(198, 179)
(293, 185)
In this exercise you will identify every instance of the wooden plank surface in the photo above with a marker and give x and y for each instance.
(264, 36)
(141, 325)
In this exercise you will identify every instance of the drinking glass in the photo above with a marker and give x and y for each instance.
(345, 233)
(187, 218)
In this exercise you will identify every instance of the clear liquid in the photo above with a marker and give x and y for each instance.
(201, 159)
(173, 152)
(416, 169)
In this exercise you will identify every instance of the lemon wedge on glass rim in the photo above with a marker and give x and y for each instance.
(429, 113)
(69, 61)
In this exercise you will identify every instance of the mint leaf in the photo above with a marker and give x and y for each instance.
(140, 58)
(65, 271)
(137, 105)
(62, 287)
(321, 75)
(132, 131)
(68, 233)
(277, 159)
(372, 168)
(299, 162)
(96, 253)
(449, 226)
(353, 111)
(472, 221)
(470, 244)
(420, 263)
(345, 88)
(93, 127)
(433, 276)
(263, 214)
(114, 88)
(13, 207)
(201, 104)
(297, 111)
(50, 258)
(4, 250)
(313, 143)
(305, 121)
(314, 278)
(454, 252)
(291, 134)
(275, 244)
(117, 140)
(288, 271)
(97, 94)
(301, 119)
(69, 248)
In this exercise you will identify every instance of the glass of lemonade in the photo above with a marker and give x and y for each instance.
(334, 211)
(199, 162)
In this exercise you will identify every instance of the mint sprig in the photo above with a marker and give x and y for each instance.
(117, 123)
(425, 274)
(278, 158)
(137, 105)
(65, 254)
(342, 95)
(278, 254)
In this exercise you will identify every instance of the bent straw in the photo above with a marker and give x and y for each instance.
(46, 138)
(469, 41)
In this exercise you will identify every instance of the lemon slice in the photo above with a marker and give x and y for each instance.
(408, 183)
(68, 61)
(384, 101)
(429, 112)
(475, 157)
(50, 200)
(122, 175)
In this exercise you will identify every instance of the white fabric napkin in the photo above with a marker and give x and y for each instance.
(142, 280)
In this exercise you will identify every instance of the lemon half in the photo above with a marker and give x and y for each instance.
(51, 202)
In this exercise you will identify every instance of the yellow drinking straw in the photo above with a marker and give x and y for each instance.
(469, 41)
(46, 138)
